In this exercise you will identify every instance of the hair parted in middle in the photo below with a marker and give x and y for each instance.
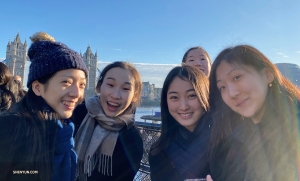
(136, 75)
(169, 126)
(194, 48)
(281, 95)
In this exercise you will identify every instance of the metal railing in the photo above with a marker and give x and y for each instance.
(150, 132)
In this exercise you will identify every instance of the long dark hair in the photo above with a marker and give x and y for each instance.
(8, 88)
(279, 124)
(42, 128)
(282, 93)
(169, 125)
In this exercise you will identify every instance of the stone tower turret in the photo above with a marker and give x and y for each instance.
(90, 60)
(16, 56)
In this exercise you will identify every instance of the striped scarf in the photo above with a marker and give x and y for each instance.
(96, 138)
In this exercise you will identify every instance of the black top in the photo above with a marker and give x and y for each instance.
(186, 156)
(250, 154)
(127, 154)
(25, 144)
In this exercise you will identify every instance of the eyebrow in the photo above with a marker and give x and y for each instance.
(173, 92)
(230, 72)
(129, 83)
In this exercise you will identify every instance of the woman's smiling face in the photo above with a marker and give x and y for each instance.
(183, 103)
(197, 58)
(117, 91)
(63, 91)
(243, 89)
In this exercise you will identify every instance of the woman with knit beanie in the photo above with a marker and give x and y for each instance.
(36, 134)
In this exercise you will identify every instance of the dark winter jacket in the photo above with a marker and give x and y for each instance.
(29, 146)
(127, 154)
(250, 154)
(187, 155)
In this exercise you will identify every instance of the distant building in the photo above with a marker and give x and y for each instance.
(157, 93)
(90, 60)
(149, 92)
(290, 71)
(16, 56)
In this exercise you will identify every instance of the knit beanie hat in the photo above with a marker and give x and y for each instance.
(48, 56)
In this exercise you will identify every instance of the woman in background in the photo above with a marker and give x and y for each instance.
(255, 133)
(8, 88)
(181, 150)
(108, 144)
(197, 57)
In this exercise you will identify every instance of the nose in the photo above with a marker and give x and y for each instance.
(116, 93)
(197, 63)
(184, 105)
(76, 91)
(233, 90)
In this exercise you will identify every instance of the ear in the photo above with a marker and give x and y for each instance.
(269, 75)
(37, 87)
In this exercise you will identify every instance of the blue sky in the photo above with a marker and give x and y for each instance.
(158, 31)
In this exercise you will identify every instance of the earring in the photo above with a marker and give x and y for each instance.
(270, 84)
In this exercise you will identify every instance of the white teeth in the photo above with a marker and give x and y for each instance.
(67, 103)
(113, 104)
(185, 115)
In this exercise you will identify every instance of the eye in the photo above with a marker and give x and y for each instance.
(67, 82)
(173, 97)
(82, 86)
(236, 78)
(221, 88)
(192, 96)
(190, 60)
(126, 89)
(109, 85)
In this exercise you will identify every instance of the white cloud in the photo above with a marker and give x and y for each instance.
(282, 54)
(152, 73)
(118, 49)
(298, 51)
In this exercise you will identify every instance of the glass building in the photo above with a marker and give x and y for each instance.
(290, 71)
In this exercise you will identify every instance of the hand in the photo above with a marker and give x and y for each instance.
(208, 178)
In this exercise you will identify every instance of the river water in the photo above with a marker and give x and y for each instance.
(141, 111)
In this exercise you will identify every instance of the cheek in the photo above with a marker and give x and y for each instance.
(188, 63)
(226, 99)
(172, 106)
(128, 98)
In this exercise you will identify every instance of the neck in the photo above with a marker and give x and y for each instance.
(258, 115)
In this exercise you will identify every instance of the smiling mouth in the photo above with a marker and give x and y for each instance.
(185, 115)
(69, 104)
(241, 103)
(112, 106)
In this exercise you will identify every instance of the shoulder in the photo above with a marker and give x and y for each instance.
(78, 115)
(80, 110)
(12, 126)
(132, 138)
(161, 167)
(11, 119)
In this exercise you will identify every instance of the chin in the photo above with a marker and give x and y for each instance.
(65, 116)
